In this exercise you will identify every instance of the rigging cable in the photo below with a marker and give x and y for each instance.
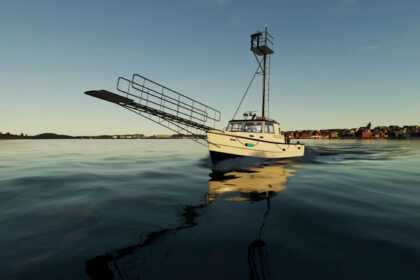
(246, 92)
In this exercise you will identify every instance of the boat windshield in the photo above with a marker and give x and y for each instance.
(251, 126)
(254, 127)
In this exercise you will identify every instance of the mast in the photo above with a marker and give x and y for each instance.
(261, 43)
(263, 83)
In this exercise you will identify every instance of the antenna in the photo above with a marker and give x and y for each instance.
(261, 46)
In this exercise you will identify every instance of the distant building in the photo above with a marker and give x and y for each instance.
(366, 134)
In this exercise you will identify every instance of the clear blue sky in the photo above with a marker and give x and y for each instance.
(338, 63)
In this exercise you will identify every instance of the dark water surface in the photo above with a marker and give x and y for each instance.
(148, 209)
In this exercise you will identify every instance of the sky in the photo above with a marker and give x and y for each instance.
(337, 63)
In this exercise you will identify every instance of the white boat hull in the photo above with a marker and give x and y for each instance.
(225, 144)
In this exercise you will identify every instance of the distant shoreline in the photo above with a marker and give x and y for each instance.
(292, 139)
(365, 132)
(50, 136)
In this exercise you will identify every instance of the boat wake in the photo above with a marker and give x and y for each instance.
(335, 154)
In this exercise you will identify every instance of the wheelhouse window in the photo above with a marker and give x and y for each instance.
(253, 127)
(235, 127)
(269, 128)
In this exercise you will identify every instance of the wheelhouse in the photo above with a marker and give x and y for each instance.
(254, 126)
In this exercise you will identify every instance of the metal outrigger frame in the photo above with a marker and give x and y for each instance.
(162, 105)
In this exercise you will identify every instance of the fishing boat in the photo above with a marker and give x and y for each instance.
(254, 136)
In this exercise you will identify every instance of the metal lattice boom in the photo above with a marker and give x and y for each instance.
(162, 105)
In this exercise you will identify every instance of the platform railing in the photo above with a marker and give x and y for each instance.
(161, 98)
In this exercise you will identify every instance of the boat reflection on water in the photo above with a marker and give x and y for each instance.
(254, 184)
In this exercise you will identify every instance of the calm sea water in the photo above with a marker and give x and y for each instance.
(148, 209)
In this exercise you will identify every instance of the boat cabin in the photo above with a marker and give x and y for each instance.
(254, 126)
